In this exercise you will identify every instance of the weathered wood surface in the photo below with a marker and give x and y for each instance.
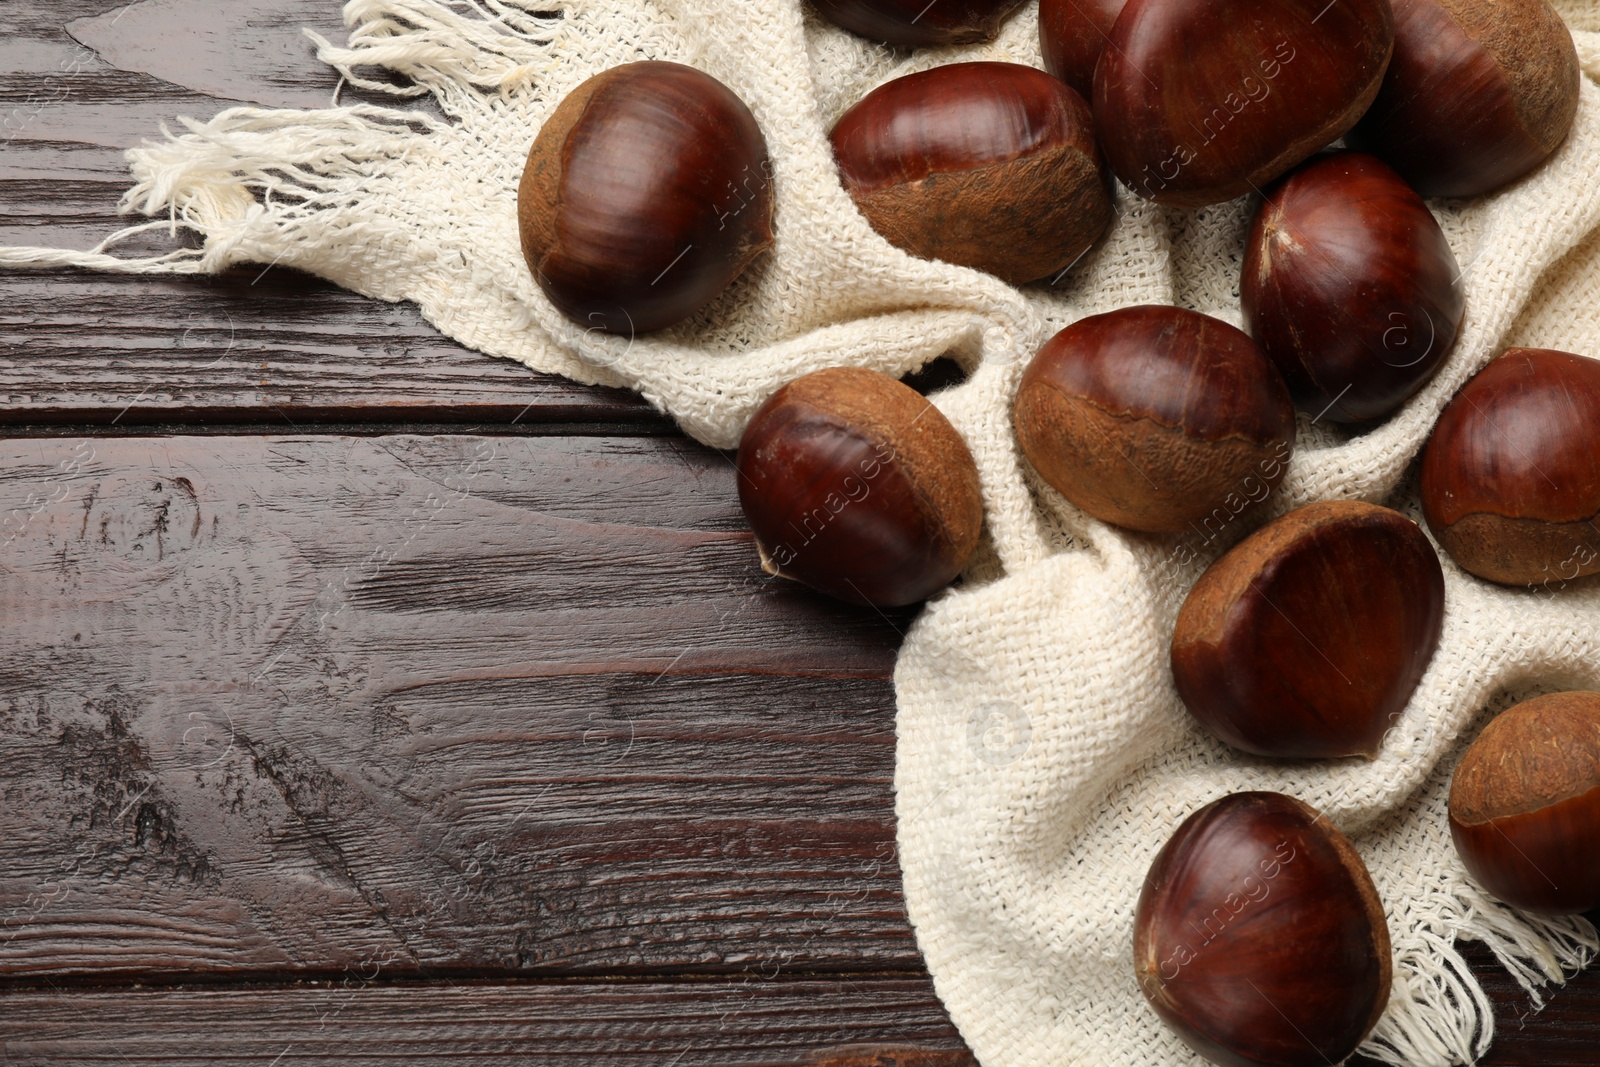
(437, 704)
(378, 708)
(754, 1021)
(358, 1018)
(83, 80)
(281, 351)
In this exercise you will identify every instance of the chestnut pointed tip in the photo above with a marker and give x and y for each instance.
(768, 564)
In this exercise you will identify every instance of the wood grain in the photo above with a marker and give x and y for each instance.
(349, 1022)
(441, 707)
(447, 705)
(360, 1017)
(83, 80)
(275, 350)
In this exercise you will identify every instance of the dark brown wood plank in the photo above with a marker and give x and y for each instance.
(408, 706)
(83, 80)
(750, 1021)
(277, 349)
(456, 705)
(359, 1018)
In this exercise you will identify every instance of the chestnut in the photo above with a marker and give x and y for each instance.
(1307, 638)
(989, 165)
(859, 487)
(1152, 417)
(1511, 474)
(1189, 116)
(647, 192)
(914, 23)
(1259, 937)
(1525, 804)
(1479, 93)
(1071, 35)
(1350, 286)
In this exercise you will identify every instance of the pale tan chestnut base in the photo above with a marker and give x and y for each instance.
(1523, 551)
(539, 193)
(1022, 220)
(1137, 472)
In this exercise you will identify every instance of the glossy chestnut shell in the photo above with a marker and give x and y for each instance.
(1307, 639)
(1525, 804)
(647, 192)
(1479, 93)
(1154, 417)
(918, 23)
(1511, 475)
(859, 487)
(989, 165)
(1200, 101)
(1350, 286)
(1072, 34)
(1259, 937)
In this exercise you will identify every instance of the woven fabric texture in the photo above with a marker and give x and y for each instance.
(1043, 753)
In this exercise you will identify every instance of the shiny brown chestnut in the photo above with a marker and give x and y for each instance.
(1307, 638)
(1153, 417)
(1350, 286)
(646, 193)
(1525, 804)
(1479, 93)
(989, 165)
(918, 23)
(1189, 116)
(1071, 36)
(1259, 936)
(859, 487)
(1511, 475)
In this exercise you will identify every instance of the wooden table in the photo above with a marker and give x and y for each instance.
(365, 699)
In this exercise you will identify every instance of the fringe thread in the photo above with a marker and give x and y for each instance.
(253, 182)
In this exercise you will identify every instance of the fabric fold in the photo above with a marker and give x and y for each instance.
(1043, 755)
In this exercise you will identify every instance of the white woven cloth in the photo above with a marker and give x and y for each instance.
(1043, 754)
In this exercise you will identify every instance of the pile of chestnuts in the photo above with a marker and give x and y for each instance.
(649, 191)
